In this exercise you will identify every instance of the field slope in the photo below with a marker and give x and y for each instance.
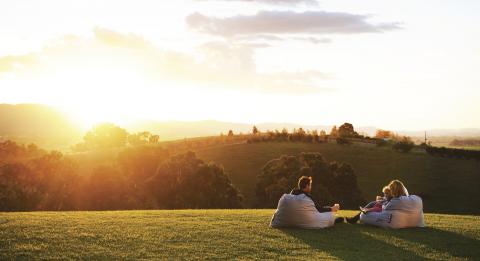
(225, 234)
(446, 185)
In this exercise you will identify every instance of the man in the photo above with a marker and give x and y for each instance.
(305, 187)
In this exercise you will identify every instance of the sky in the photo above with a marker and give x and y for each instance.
(402, 65)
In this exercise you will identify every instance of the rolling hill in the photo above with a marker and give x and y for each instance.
(446, 185)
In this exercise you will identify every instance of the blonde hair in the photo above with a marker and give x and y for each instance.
(397, 189)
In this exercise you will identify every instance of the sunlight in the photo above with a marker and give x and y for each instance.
(99, 93)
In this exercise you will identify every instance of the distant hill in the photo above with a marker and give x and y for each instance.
(44, 125)
(37, 123)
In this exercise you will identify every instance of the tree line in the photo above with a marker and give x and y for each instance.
(343, 135)
(142, 177)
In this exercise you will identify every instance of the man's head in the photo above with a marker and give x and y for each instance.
(305, 183)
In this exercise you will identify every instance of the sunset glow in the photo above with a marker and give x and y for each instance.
(372, 64)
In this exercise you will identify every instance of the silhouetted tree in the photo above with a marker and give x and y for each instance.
(184, 181)
(105, 135)
(346, 131)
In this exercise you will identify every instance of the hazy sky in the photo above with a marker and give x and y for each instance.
(391, 64)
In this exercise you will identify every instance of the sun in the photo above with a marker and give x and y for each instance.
(91, 95)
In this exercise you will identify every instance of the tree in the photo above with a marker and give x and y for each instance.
(332, 182)
(107, 189)
(105, 135)
(334, 131)
(188, 182)
(383, 134)
(230, 133)
(153, 139)
(255, 130)
(346, 131)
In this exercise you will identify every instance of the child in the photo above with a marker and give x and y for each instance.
(374, 206)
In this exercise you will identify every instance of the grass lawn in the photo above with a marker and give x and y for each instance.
(226, 234)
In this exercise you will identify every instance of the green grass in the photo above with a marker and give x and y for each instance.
(226, 234)
(447, 185)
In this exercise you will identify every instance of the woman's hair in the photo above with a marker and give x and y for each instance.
(303, 181)
(397, 189)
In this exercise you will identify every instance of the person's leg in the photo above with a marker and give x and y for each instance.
(339, 220)
(354, 219)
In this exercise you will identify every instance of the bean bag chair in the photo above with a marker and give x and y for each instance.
(402, 212)
(299, 211)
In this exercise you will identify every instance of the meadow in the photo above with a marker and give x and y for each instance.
(226, 234)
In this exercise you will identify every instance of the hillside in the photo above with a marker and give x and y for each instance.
(44, 125)
(446, 185)
(225, 234)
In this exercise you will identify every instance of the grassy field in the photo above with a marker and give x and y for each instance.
(226, 234)
(446, 185)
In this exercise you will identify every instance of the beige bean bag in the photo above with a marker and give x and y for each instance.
(299, 211)
(402, 212)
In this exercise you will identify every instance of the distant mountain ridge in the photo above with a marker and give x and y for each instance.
(41, 121)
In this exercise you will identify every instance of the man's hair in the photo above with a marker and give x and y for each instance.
(303, 181)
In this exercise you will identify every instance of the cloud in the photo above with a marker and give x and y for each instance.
(13, 62)
(220, 64)
(117, 39)
(287, 22)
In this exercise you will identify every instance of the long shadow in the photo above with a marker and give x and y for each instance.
(360, 242)
(351, 242)
(456, 245)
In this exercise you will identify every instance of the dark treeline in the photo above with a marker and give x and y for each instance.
(332, 182)
(344, 135)
(142, 177)
(345, 131)
(453, 153)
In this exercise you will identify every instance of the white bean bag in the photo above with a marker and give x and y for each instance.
(402, 212)
(299, 211)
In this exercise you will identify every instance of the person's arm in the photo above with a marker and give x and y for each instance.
(319, 209)
(323, 209)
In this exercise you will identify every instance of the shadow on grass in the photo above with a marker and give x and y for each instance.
(453, 244)
(359, 242)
